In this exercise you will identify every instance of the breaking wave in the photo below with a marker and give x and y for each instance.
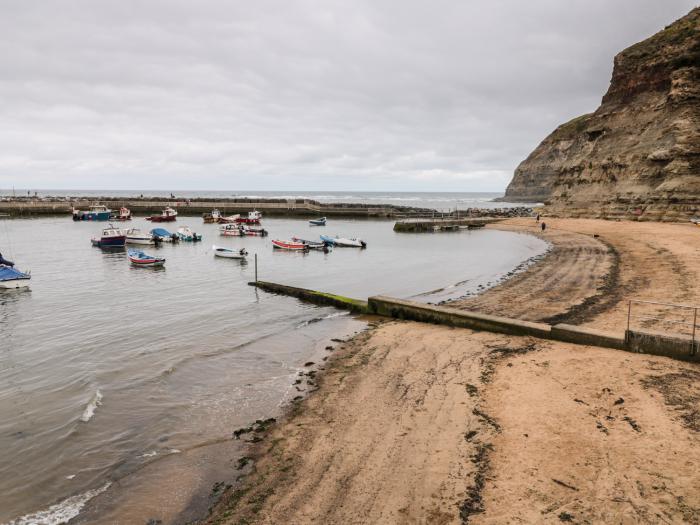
(61, 512)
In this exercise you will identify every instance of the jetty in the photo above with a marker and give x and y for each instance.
(443, 224)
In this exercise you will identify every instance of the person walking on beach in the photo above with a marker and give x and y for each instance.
(537, 219)
(544, 225)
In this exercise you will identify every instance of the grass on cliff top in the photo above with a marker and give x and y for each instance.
(574, 127)
(675, 34)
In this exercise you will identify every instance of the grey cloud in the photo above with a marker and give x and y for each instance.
(299, 95)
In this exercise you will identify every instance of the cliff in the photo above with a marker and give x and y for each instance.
(638, 154)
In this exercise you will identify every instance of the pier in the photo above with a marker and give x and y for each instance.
(442, 224)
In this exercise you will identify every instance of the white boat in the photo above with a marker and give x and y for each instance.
(231, 219)
(136, 236)
(228, 253)
(230, 230)
(343, 242)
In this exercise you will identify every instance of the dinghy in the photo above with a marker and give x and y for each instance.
(12, 278)
(163, 235)
(313, 245)
(139, 258)
(188, 235)
(111, 238)
(136, 236)
(342, 242)
(228, 253)
(318, 222)
(290, 245)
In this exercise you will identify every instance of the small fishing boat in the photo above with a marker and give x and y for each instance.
(342, 242)
(252, 218)
(123, 215)
(231, 219)
(228, 253)
(111, 238)
(313, 245)
(163, 235)
(136, 236)
(318, 222)
(290, 245)
(168, 215)
(211, 218)
(139, 258)
(253, 231)
(230, 230)
(97, 212)
(187, 235)
(12, 278)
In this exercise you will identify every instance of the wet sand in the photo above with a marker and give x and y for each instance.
(420, 423)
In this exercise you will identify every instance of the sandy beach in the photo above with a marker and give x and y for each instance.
(415, 423)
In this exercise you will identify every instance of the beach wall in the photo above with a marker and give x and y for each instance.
(640, 342)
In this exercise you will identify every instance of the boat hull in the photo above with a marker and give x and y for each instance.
(290, 246)
(109, 242)
(158, 218)
(137, 240)
(14, 284)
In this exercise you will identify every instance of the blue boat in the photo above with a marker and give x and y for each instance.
(163, 235)
(318, 222)
(139, 258)
(330, 241)
(96, 213)
(12, 278)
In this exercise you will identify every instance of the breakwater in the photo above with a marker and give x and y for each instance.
(631, 340)
(28, 206)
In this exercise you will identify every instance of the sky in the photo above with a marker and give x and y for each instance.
(374, 95)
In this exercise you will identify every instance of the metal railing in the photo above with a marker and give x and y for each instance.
(675, 319)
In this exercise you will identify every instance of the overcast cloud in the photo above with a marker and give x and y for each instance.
(267, 95)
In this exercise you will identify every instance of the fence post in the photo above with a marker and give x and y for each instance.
(256, 267)
(692, 343)
(629, 315)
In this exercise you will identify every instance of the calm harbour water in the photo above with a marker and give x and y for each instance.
(105, 367)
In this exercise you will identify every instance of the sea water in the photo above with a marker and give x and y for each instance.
(106, 367)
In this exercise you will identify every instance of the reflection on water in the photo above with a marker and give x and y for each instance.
(105, 366)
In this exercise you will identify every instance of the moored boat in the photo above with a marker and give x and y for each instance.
(136, 236)
(228, 253)
(313, 245)
(253, 231)
(111, 238)
(168, 215)
(12, 278)
(343, 242)
(163, 235)
(231, 219)
(252, 218)
(97, 212)
(139, 258)
(187, 235)
(230, 230)
(211, 218)
(318, 222)
(123, 215)
(289, 245)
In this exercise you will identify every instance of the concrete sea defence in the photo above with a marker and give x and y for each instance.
(634, 341)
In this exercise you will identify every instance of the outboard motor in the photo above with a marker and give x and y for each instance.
(364, 244)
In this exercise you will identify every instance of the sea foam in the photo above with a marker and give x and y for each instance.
(61, 512)
(91, 407)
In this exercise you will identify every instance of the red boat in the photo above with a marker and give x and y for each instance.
(290, 245)
(253, 218)
(168, 215)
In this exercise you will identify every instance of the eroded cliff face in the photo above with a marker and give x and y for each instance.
(638, 154)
